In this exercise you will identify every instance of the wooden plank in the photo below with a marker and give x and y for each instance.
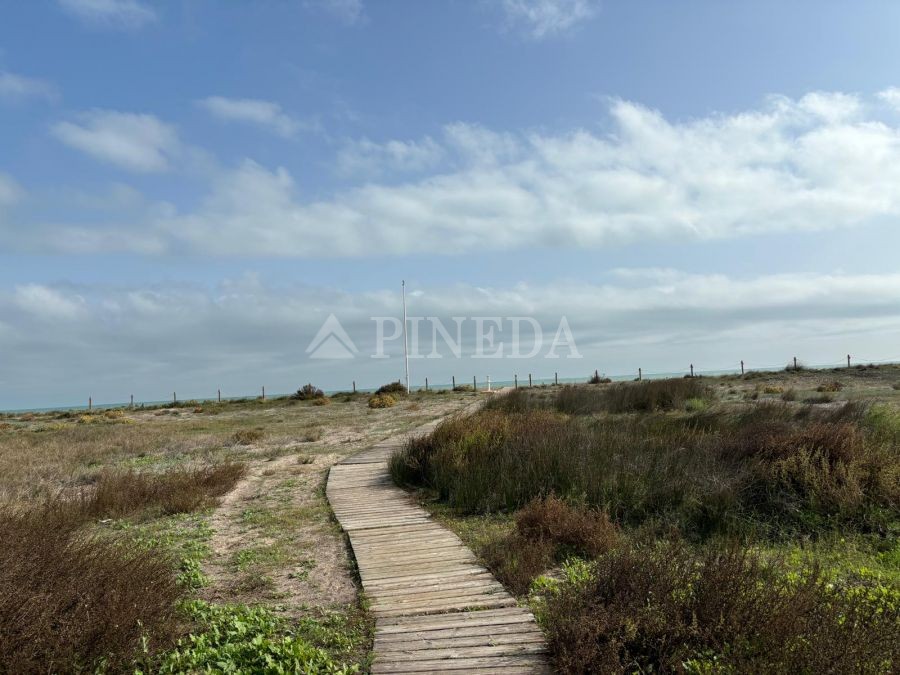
(466, 664)
(385, 648)
(491, 632)
(481, 618)
(464, 652)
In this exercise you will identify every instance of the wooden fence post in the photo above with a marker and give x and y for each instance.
(454, 382)
(516, 381)
(174, 398)
(742, 366)
(640, 375)
(354, 386)
(426, 384)
(132, 400)
(529, 379)
(90, 403)
(556, 378)
(474, 384)
(264, 394)
(220, 395)
(848, 360)
(692, 370)
(795, 363)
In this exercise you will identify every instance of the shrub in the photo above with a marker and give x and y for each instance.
(821, 398)
(393, 388)
(468, 387)
(246, 436)
(597, 379)
(75, 603)
(321, 401)
(382, 401)
(789, 395)
(121, 493)
(674, 609)
(308, 392)
(547, 532)
(830, 387)
(771, 467)
(773, 390)
(896, 386)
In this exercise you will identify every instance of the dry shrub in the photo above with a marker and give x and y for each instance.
(547, 531)
(574, 530)
(246, 436)
(830, 387)
(116, 494)
(321, 401)
(382, 401)
(773, 390)
(789, 395)
(674, 609)
(69, 601)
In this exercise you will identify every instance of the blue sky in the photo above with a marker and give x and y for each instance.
(188, 189)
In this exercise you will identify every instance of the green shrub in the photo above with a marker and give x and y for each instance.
(393, 388)
(308, 392)
(671, 608)
(771, 467)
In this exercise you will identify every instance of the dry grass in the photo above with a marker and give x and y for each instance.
(69, 600)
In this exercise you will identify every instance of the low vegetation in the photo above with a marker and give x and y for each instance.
(692, 525)
(309, 392)
(183, 538)
(382, 401)
(72, 598)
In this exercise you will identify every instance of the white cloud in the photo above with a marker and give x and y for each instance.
(348, 11)
(367, 158)
(132, 141)
(20, 88)
(117, 339)
(47, 303)
(10, 190)
(812, 164)
(265, 114)
(545, 18)
(119, 14)
(891, 96)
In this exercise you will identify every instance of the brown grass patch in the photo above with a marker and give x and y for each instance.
(68, 601)
(246, 436)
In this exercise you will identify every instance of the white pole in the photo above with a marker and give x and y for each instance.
(488, 382)
(405, 348)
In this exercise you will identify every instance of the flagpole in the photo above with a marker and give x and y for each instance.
(405, 348)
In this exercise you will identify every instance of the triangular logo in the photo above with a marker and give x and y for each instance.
(332, 342)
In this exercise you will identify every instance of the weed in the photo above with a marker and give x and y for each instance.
(246, 436)
(789, 395)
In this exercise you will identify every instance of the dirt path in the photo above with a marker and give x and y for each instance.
(274, 539)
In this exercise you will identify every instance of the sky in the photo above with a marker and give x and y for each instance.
(189, 190)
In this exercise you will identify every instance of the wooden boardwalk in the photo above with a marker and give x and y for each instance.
(436, 609)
